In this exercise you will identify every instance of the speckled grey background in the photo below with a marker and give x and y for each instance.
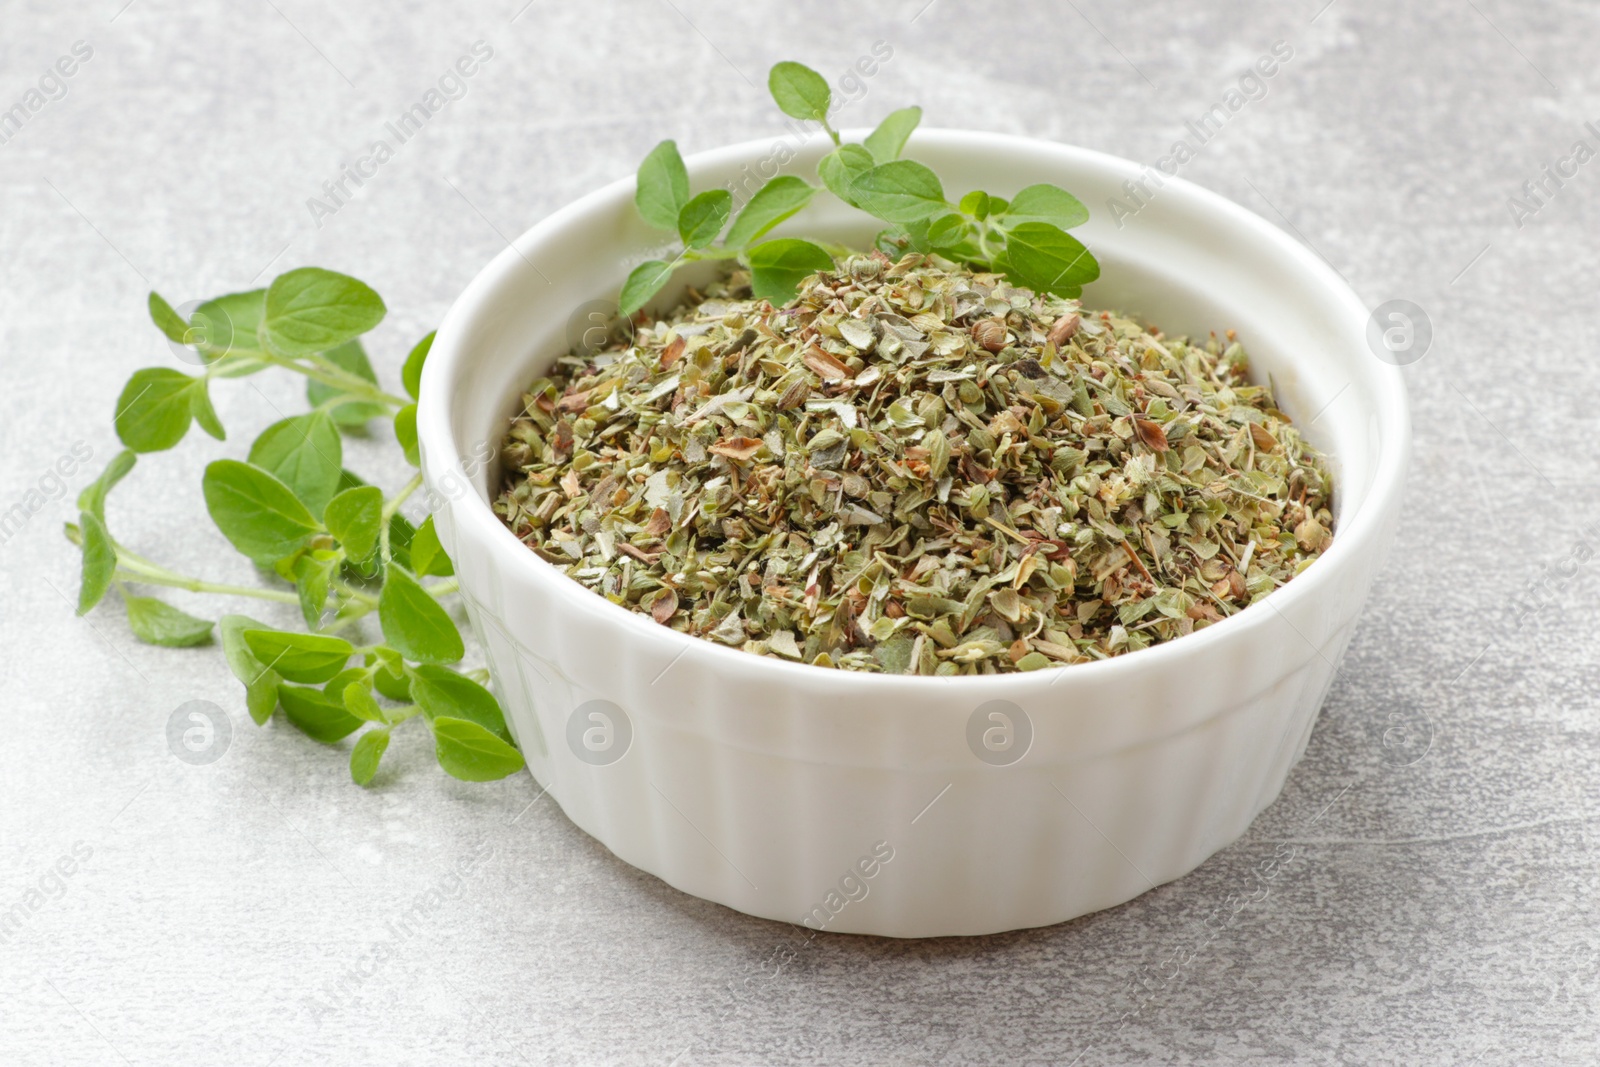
(1438, 903)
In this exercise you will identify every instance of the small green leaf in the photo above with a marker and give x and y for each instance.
(1046, 203)
(310, 658)
(260, 682)
(305, 453)
(645, 281)
(900, 191)
(411, 373)
(157, 623)
(773, 202)
(441, 691)
(889, 139)
(255, 511)
(662, 187)
(369, 750)
(801, 92)
(393, 683)
(204, 414)
(778, 267)
(312, 310)
(228, 325)
(355, 517)
(467, 751)
(167, 320)
(359, 702)
(352, 411)
(319, 716)
(93, 497)
(405, 432)
(155, 408)
(414, 623)
(946, 230)
(1043, 258)
(99, 561)
(840, 168)
(975, 204)
(401, 533)
(313, 573)
(427, 554)
(703, 218)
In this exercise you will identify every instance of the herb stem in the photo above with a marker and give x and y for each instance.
(320, 369)
(195, 585)
(400, 498)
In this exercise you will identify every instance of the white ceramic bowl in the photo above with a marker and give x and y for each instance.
(855, 802)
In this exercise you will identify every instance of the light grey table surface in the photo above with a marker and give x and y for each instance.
(1440, 911)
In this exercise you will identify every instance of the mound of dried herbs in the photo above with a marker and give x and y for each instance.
(914, 468)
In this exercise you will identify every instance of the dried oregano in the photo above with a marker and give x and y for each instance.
(914, 468)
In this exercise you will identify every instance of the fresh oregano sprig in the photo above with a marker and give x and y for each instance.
(340, 547)
(1023, 238)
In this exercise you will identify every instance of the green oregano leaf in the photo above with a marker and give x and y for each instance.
(317, 715)
(93, 497)
(840, 168)
(778, 267)
(1046, 203)
(414, 623)
(366, 755)
(441, 691)
(645, 281)
(355, 518)
(167, 320)
(427, 554)
(312, 310)
(662, 187)
(1044, 258)
(889, 139)
(99, 561)
(155, 408)
(467, 751)
(900, 191)
(255, 511)
(411, 373)
(702, 218)
(156, 622)
(800, 92)
(312, 658)
(773, 202)
(305, 453)
(405, 432)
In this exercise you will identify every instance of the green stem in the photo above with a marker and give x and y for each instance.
(444, 588)
(831, 132)
(400, 498)
(319, 369)
(195, 585)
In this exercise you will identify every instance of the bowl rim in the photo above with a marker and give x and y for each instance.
(1359, 533)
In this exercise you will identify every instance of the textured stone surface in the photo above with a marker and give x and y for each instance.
(1440, 912)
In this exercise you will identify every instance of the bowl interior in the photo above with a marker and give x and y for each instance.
(1188, 261)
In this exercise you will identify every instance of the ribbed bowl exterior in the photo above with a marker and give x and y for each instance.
(869, 804)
